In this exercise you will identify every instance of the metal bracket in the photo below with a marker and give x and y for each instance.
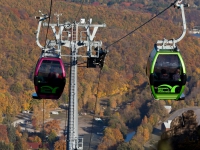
(171, 44)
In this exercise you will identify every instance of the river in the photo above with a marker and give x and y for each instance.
(196, 35)
(129, 136)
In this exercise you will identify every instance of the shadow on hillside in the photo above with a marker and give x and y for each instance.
(140, 87)
(95, 127)
(91, 141)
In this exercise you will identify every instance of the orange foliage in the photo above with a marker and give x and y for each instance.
(146, 134)
(53, 125)
(111, 138)
(151, 120)
(123, 71)
(59, 145)
(3, 134)
(101, 113)
(120, 72)
(145, 120)
(18, 133)
(34, 139)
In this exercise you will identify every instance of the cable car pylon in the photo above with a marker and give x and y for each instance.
(77, 35)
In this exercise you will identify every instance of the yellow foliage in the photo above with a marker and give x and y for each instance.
(120, 90)
(151, 120)
(25, 106)
(117, 114)
(197, 70)
(101, 94)
(101, 114)
(111, 138)
(145, 120)
(34, 139)
(17, 62)
(146, 134)
(52, 126)
(113, 104)
(59, 145)
(169, 101)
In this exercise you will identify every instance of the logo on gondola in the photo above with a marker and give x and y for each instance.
(48, 89)
(165, 88)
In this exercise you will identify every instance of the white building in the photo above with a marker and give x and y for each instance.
(166, 125)
(168, 108)
(54, 112)
(20, 121)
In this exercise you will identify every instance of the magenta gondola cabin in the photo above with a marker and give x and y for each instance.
(49, 78)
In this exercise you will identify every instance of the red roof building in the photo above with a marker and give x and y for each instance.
(33, 146)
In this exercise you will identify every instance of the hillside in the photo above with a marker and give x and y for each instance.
(150, 6)
(123, 76)
(126, 59)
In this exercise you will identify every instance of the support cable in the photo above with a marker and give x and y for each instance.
(43, 126)
(95, 108)
(65, 130)
(172, 4)
(48, 22)
(45, 47)
(79, 10)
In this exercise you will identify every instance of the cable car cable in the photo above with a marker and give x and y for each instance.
(166, 68)
(95, 108)
(48, 22)
(43, 127)
(45, 46)
(172, 4)
(66, 116)
(79, 10)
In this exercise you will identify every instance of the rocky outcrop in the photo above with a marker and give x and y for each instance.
(185, 124)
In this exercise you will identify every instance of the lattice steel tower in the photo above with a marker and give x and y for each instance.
(74, 35)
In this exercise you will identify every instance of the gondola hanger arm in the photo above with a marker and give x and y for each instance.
(41, 19)
(174, 41)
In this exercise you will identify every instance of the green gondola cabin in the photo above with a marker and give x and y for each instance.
(167, 74)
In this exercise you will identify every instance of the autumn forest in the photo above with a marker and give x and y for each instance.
(123, 78)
